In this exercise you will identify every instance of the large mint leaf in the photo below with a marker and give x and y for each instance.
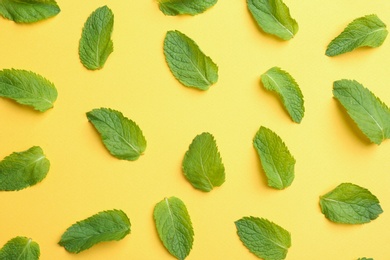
(28, 11)
(370, 114)
(264, 238)
(350, 204)
(104, 226)
(273, 16)
(20, 248)
(174, 226)
(95, 43)
(278, 80)
(191, 7)
(367, 31)
(276, 159)
(27, 88)
(202, 164)
(23, 169)
(122, 137)
(188, 63)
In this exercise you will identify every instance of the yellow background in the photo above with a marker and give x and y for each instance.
(85, 179)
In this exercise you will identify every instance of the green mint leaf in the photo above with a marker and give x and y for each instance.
(27, 88)
(28, 11)
(278, 80)
(367, 31)
(277, 162)
(191, 7)
(370, 114)
(174, 226)
(122, 137)
(20, 248)
(273, 17)
(365, 258)
(202, 164)
(23, 169)
(350, 204)
(264, 238)
(188, 63)
(104, 226)
(95, 43)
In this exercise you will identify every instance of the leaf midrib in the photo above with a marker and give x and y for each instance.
(25, 248)
(29, 92)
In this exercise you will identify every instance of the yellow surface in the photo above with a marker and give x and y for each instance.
(85, 179)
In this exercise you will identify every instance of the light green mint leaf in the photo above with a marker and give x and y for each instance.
(95, 43)
(191, 7)
(370, 114)
(202, 164)
(277, 162)
(188, 63)
(20, 248)
(264, 238)
(28, 11)
(27, 88)
(368, 31)
(350, 204)
(23, 169)
(273, 17)
(365, 258)
(104, 226)
(122, 137)
(174, 226)
(278, 80)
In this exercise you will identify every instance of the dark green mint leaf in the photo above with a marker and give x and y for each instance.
(370, 114)
(122, 137)
(350, 204)
(28, 11)
(191, 7)
(20, 248)
(104, 226)
(278, 80)
(277, 162)
(202, 164)
(27, 88)
(188, 63)
(367, 31)
(174, 226)
(23, 169)
(273, 16)
(264, 238)
(95, 43)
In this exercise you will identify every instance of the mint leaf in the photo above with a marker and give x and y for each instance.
(365, 258)
(273, 17)
(27, 88)
(122, 137)
(20, 248)
(174, 226)
(278, 80)
(104, 226)
(28, 11)
(350, 204)
(191, 7)
(367, 31)
(188, 63)
(202, 164)
(277, 162)
(370, 114)
(264, 238)
(95, 43)
(23, 169)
